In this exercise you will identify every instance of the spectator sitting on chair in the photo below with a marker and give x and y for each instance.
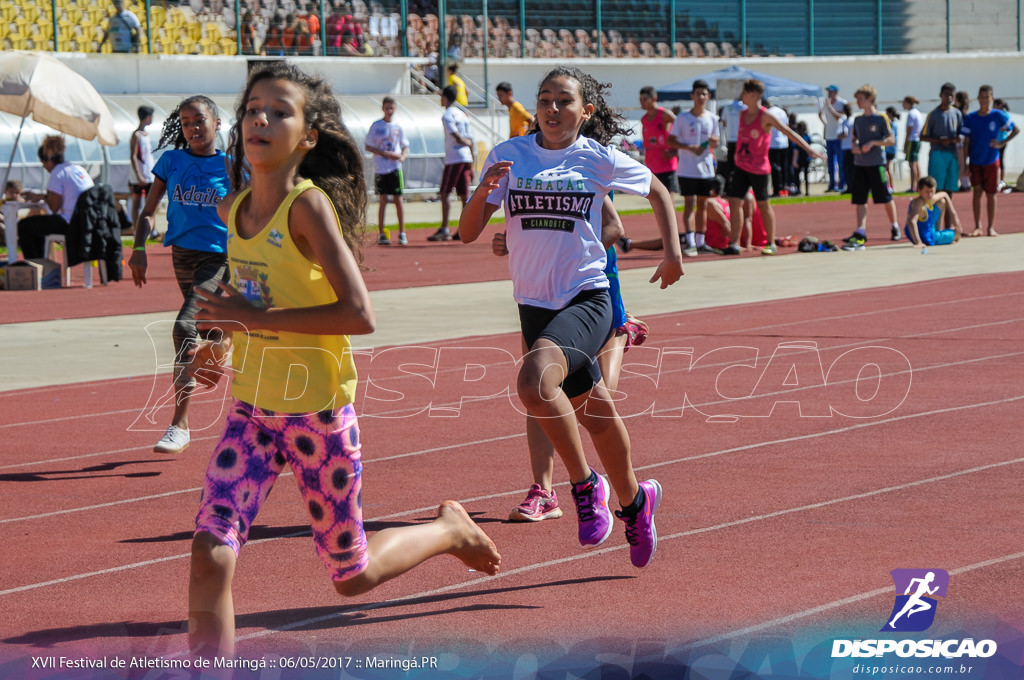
(67, 181)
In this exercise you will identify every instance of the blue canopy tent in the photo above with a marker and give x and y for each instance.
(774, 86)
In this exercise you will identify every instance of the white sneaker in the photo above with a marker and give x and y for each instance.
(402, 240)
(175, 440)
(690, 251)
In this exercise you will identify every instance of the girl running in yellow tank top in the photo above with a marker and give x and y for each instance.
(296, 295)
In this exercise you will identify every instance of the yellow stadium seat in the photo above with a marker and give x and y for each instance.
(195, 30)
(229, 46)
(212, 31)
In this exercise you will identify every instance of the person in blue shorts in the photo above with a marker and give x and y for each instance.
(941, 131)
(925, 216)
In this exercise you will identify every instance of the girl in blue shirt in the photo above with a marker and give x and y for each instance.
(193, 175)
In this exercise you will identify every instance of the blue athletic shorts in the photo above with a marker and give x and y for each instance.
(945, 168)
(611, 270)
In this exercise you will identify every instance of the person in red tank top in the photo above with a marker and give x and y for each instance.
(752, 169)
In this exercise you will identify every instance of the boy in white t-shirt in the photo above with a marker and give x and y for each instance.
(388, 144)
(458, 160)
(695, 134)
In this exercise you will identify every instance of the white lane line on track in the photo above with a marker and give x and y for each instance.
(859, 342)
(449, 447)
(740, 331)
(691, 532)
(835, 604)
(682, 534)
(396, 412)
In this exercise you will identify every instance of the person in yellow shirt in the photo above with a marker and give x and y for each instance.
(295, 297)
(458, 83)
(519, 118)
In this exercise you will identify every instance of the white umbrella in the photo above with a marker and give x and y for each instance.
(56, 96)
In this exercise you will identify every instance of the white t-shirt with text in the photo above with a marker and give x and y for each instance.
(779, 138)
(386, 137)
(456, 121)
(553, 201)
(694, 130)
(68, 180)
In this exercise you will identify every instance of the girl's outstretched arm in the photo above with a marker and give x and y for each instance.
(314, 228)
(671, 267)
(478, 211)
(138, 263)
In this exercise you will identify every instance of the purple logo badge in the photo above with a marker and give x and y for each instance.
(916, 589)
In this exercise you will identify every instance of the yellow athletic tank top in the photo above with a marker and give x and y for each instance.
(286, 372)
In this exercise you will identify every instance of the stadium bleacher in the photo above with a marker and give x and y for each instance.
(548, 28)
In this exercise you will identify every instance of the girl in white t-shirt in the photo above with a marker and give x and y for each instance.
(553, 184)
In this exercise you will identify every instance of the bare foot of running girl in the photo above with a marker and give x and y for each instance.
(471, 544)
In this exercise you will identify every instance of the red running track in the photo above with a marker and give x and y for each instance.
(781, 518)
(431, 264)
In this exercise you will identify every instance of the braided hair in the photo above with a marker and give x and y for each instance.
(605, 123)
(335, 164)
(172, 134)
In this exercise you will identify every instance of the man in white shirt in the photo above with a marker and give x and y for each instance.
(695, 135)
(778, 150)
(458, 160)
(912, 147)
(141, 166)
(831, 115)
(388, 144)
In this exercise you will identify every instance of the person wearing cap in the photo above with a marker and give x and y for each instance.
(831, 115)
(912, 147)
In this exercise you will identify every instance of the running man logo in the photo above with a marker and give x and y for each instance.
(914, 610)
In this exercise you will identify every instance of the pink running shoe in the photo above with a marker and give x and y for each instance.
(592, 511)
(539, 504)
(640, 532)
(635, 331)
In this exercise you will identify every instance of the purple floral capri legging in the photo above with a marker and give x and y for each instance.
(323, 452)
